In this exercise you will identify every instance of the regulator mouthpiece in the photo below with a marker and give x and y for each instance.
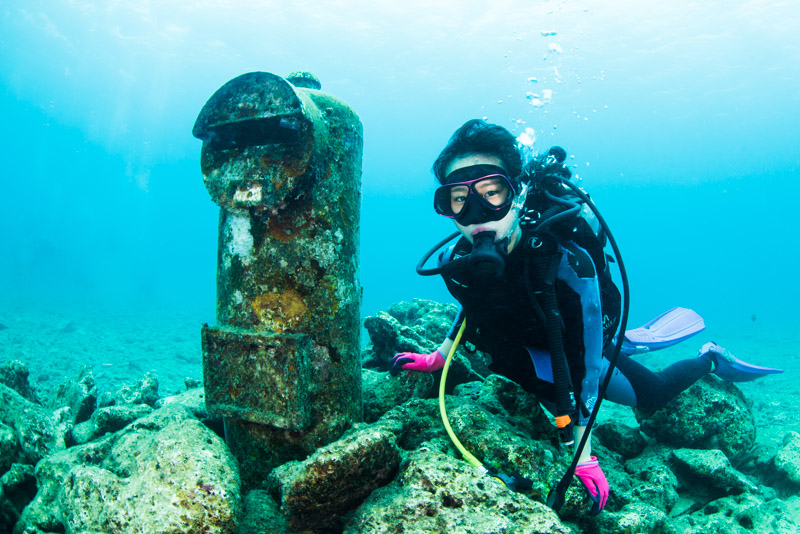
(487, 259)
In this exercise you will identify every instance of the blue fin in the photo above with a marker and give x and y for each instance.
(731, 368)
(669, 328)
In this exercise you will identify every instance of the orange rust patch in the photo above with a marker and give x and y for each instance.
(281, 231)
(279, 311)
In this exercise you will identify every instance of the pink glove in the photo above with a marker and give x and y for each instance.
(595, 481)
(427, 363)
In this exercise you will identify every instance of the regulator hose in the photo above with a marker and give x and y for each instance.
(514, 481)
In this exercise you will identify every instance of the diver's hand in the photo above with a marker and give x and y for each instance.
(594, 479)
(417, 362)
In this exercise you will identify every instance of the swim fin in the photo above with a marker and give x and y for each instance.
(731, 368)
(669, 328)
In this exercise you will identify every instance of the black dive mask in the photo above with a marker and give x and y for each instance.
(475, 194)
(476, 212)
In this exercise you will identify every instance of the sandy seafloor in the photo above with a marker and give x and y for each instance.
(121, 345)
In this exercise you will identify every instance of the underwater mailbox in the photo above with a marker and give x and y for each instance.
(282, 159)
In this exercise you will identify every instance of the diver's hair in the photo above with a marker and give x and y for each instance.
(477, 136)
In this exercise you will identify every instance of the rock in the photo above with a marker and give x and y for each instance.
(684, 505)
(497, 442)
(145, 391)
(711, 414)
(633, 518)
(622, 439)
(165, 473)
(502, 446)
(63, 423)
(435, 493)
(504, 398)
(113, 418)
(429, 319)
(43, 512)
(193, 399)
(792, 505)
(8, 515)
(106, 398)
(192, 383)
(316, 493)
(14, 374)
(82, 433)
(382, 392)
(651, 480)
(739, 514)
(787, 462)
(8, 447)
(418, 326)
(262, 515)
(108, 419)
(709, 473)
(505, 447)
(17, 489)
(420, 428)
(389, 336)
(34, 427)
(79, 394)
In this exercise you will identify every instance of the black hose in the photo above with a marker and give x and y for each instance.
(573, 209)
(565, 399)
(444, 267)
(556, 498)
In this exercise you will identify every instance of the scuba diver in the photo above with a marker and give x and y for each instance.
(533, 280)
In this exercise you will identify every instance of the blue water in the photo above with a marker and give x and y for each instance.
(681, 119)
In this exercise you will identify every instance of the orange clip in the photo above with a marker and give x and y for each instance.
(562, 421)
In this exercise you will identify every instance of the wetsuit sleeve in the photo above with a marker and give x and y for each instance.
(578, 271)
(451, 335)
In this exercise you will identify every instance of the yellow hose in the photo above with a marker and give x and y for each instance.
(464, 452)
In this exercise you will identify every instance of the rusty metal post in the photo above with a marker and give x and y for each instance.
(282, 159)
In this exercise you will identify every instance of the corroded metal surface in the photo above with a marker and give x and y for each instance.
(284, 165)
(274, 363)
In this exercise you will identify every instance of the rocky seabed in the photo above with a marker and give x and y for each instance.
(74, 461)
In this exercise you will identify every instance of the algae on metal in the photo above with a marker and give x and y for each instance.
(282, 363)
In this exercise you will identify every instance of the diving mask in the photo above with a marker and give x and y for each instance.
(479, 193)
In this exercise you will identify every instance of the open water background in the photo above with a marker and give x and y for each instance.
(680, 118)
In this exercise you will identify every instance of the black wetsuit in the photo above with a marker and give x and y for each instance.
(504, 323)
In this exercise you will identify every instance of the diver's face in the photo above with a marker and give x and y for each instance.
(508, 226)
